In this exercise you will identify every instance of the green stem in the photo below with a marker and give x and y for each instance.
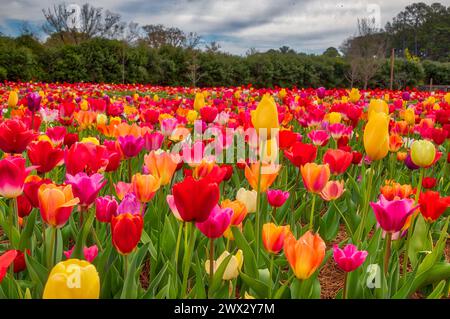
(365, 210)
(211, 265)
(387, 254)
(311, 216)
(177, 247)
(258, 212)
(411, 225)
(129, 170)
(51, 253)
(187, 260)
(344, 292)
(271, 274)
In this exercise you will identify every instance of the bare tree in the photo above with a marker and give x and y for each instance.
(75, 26)
(365, 52)
(213, 47)
(157, 35)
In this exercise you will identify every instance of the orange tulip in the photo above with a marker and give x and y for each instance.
(273, 237)
(239, 210)
(315, 176)
(305, 254)
(161, 165)
(269, 173)
(392, 190)
(56, 203)
(85, 118)
(395, 142)
(144, 186)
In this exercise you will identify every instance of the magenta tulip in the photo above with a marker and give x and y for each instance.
(86, 187)
(349, 258)
(105, 208)
(392, 215)
(218, 221)
(277, 197)
(131, 145)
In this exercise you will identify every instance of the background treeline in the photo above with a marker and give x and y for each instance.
(119, 52)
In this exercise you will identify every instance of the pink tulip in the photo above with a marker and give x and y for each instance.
(131, 145)
(12, 176)
(332, 190)
(277, 197)
(89, 253)
(349, 258)
(392, 215)
(153, 141)
(105, 208)
(319, 137)
(171, 202)
(86, 187)
(337, 130)
(122, 189)
(218, 221)
(129, 205)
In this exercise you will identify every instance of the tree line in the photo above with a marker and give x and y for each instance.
(102, 48)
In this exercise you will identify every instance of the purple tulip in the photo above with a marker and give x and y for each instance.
(86, 187)
(129, 204)
(34, 102)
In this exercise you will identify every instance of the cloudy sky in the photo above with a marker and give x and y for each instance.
(305, 25)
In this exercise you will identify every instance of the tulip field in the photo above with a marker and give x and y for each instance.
(149, 192)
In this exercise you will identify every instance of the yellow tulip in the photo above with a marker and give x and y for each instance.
(354, 95)
(90, 139)
(191, 116)
(266, 115)
(156, 98)
(334, 117)
(102, 119)
(282, 94)
(73, 279)
(377, 106)
(447, 98)
(423, 153)
(199, 101)
(233, 267)
(13, 99)
(409, 116)
(84, 105)
(376, 136)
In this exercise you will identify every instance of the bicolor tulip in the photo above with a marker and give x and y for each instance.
(332, 190)
(301, 153)
(195, 208)
(126, 230)
(73, 279)
(86, 187)
(305, 254)
(144, 186)
(12, 176)
(15, 136)
(232, 269)
(423, 153)
(31, 187)
(161, 165)
(269, 173)
(56, 203)
(392, 215)
(315, 176)
(432, 205)
(273, 237)
(218, 221)
(376, 136)
(239, 210)
(319, 137)
(105, 208)
(44, 156)
(265, 116)
(349, 258)
(338, 160)
(277, 197)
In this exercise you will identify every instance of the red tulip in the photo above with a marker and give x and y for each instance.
(23, 206)
(195, 208)
(432, 205)
(85, 157)
(5, 261)
(338, 160)
(428, 182)
(301, 153)
(12, 176)
(287, 139)
(44, 156)
(126, 230)
(15, 136)
(208, 113)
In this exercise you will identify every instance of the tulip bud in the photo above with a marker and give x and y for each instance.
(423, 153)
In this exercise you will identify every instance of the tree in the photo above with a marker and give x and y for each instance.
(213, 47)
(331, 52)
(157, 35)
(73, 24)
(365, 52)
(285, 49)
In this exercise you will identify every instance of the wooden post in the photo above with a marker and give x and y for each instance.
(392, 68)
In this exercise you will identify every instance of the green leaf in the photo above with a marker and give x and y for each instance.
(38, 274)
(438, 292)
(249, 256)
(27, 233)
(259, 287)
(131, 283)
(82, 236)
(218, 275)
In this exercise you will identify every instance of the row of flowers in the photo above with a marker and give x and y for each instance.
(99, 200)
